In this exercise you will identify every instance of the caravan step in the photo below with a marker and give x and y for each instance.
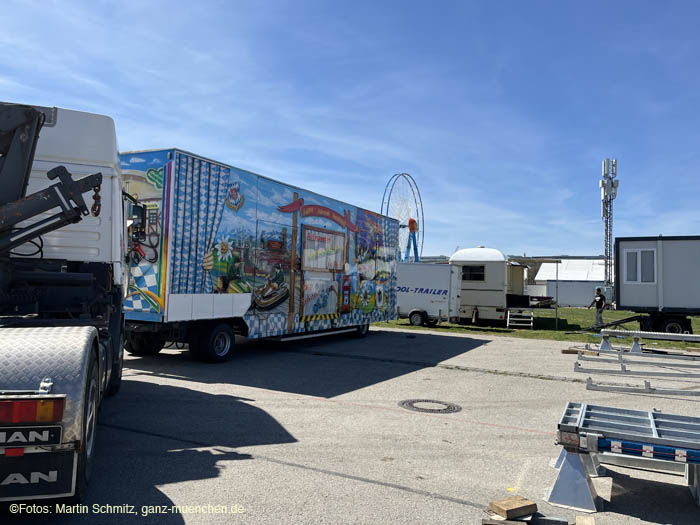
(520, 319)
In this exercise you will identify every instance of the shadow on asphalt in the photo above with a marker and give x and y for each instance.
(322, 367)
(651, 501)
(148, 436)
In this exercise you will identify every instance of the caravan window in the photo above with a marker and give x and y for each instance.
(473, 273)
(640, 266)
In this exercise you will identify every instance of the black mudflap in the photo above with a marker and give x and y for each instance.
(43, 474)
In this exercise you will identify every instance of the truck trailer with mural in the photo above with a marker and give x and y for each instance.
(225, 251)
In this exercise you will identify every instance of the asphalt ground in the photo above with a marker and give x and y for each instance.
(312, 432)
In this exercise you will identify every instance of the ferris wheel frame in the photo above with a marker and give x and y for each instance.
(386, 200)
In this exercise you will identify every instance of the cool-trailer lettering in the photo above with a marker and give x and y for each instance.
(33, 436)
(429, 291)
(34, 478)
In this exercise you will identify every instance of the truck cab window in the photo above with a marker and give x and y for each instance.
(473, 273)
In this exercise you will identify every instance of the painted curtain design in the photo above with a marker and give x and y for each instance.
(201, 188)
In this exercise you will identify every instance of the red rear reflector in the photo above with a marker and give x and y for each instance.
(25, 412)
(32, 411)
(5, 412)
(14, 452)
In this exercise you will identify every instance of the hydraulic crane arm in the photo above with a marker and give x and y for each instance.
(56, 195)
(19, 132)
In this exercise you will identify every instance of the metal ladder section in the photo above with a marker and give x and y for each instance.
(520, 318)
(592, 434)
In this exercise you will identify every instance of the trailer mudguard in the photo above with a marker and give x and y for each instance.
(28, 355)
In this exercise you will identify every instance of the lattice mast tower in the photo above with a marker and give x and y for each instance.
(608, 192)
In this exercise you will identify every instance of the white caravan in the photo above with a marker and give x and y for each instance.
(490, 285)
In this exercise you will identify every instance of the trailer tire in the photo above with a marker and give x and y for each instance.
(89, 430)
(417, 318)
(673, 326)
(213, 343)
(144, 343)
(362, 330)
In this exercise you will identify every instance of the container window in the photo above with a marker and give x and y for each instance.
(640, 266)
(473, 273)
(632, 267)
(647, 263)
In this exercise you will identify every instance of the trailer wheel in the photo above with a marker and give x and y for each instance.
(673, 326)
(362, 330)
(215, 344)
(144, 343)
(89, 430)
(417, 319)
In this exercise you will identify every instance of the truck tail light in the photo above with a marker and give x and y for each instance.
(32, 411)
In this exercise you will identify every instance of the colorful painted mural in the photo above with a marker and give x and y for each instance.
(305, 261)
(145, 178)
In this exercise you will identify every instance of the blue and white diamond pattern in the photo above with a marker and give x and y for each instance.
(271, 325)
(143, 277)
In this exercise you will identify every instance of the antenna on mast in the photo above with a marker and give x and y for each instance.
(608, 192)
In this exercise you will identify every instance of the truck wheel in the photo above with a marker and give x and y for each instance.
(416, 319)
(144, 343)
(673, 326)
(214, 345)
(431, 322)
(89, 431)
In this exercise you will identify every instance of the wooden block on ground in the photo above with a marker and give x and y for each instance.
(575, 351)
(585, 520)
(513, 507)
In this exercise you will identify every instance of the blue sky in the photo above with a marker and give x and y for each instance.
(501, 110)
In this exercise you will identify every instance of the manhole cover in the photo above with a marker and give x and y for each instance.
(430, 405)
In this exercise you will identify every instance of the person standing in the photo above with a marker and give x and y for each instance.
(599, 302)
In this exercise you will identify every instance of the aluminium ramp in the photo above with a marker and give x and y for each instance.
(640, 436)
